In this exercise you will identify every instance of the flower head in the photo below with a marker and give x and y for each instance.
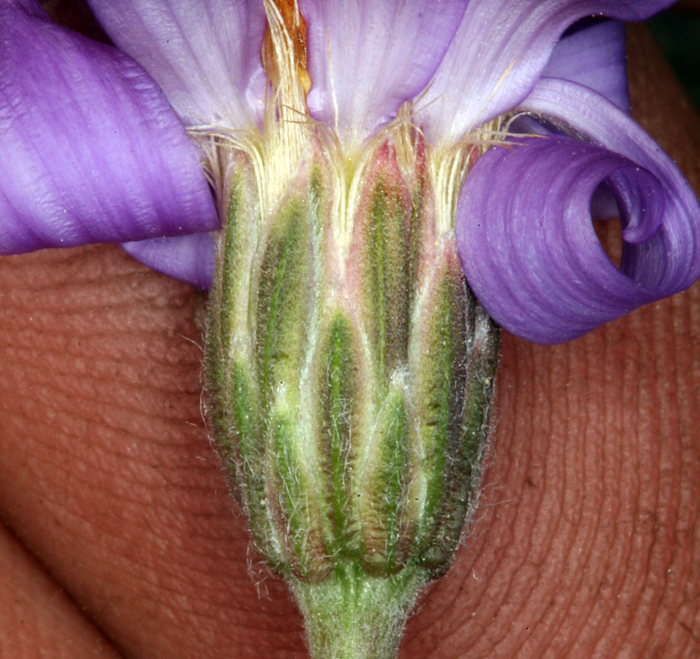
(352, 148)
(92, 150)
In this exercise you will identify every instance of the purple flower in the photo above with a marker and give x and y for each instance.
(94, 148)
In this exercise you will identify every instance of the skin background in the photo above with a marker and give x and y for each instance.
(119, 538)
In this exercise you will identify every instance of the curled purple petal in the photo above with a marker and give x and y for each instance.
(91, 149)
(591, 53)
(366, 58)
(594, 55)
(205, 54)
(498, 55)
(529, 250)
(187, 258)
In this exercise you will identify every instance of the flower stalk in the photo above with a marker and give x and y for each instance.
(352, 614)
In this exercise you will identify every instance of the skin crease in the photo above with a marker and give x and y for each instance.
(119, 540)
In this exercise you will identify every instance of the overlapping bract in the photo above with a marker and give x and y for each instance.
(91, 150)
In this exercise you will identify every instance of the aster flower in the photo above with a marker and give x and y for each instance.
(342, 161)
(88, 186)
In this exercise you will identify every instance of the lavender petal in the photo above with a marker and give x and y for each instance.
(205, 54)
(498, 54)
(366, 58)
(187, 258)
(594, 56)
(530, 252)
(91, 149)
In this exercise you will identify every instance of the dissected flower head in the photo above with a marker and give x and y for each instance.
(331, 169)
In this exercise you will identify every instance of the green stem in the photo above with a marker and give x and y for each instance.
(352, 615)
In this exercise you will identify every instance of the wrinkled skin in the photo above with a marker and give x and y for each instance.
(120, 541)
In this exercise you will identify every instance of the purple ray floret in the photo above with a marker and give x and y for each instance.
(367, 58)
(499, 52)
(204, 54)
(524, 226)
(91, 149)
